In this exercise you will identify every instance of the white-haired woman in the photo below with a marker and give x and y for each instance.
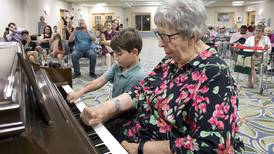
(188, 103)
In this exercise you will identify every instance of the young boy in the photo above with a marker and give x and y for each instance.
(124, 74)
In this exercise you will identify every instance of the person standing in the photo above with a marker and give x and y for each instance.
(41, 25)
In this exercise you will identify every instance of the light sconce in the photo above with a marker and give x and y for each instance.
(46, 10)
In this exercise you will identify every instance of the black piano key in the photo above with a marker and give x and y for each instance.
(102, 148)
(77, 115)
(95, 139)
(88, 130)
(75, 110)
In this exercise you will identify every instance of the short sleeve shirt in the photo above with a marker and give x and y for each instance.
(123, 80)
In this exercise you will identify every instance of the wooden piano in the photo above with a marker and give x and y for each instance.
(36, 119)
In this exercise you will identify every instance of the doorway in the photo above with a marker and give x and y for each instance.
(142, 22)
(100, 18)
(251, 16)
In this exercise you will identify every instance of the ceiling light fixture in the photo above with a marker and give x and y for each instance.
(237, 2)
(101, 4)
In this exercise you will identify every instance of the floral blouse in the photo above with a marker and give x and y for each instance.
(194, 107)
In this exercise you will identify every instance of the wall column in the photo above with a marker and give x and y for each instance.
(268, 12)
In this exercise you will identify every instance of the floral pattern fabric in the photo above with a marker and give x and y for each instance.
(193, 106)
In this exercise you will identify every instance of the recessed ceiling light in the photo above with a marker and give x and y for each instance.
(101, 4)
(153, 2)
(237, 2)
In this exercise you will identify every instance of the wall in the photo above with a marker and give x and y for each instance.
(268, 12)
(239, 12)
(125, 15)
(11, 11)
(85, 12)
(259, 11)
(26, 13)
(130, 13)
(35, 8)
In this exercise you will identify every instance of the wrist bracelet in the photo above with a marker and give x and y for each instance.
(141, 147)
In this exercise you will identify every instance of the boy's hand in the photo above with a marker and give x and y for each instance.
(73, 96)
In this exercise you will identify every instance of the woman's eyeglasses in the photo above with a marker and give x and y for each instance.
(165, 37)
(259, 30)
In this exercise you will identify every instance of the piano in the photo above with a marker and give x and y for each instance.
(35, 117)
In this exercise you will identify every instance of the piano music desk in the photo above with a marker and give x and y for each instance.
(60, 76)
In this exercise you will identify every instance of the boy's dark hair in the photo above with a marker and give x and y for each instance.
(127, 39)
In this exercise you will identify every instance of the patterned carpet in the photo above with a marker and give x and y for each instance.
(256, 121)
(256, 111)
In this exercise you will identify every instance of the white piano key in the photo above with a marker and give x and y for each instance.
(113, 145)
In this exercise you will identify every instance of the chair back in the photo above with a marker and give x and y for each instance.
(241, 40)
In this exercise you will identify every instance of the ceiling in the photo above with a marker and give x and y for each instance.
(142, 3)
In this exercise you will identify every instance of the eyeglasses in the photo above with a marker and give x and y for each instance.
(165, 37)
(258, 30)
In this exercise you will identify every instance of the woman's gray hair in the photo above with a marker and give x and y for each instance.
(186, 16)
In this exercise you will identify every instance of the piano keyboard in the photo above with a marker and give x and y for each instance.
(102, 139)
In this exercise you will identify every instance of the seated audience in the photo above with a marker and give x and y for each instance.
(55, 30)
(124, 74)
(269, 33)
(251, 28)
(46, 38)
(105, 39)
(57, 49)
(212, 33)
(239, 37)
(83, 40)
(12, 33)
(29, 47)
(115, 25)
(222, 42)
(241, 34)
(189, 102)
(32, 50)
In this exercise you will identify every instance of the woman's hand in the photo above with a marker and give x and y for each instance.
(131, 148)
(92, 116)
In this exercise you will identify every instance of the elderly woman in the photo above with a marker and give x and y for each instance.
(268, 32)
(188, 103)
(258, 40)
